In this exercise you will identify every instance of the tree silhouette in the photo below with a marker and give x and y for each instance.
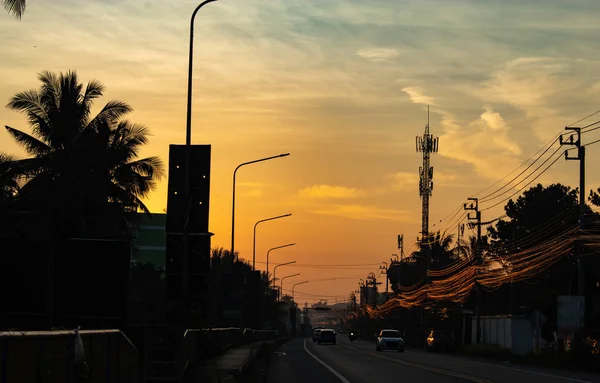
(84, 172)
(9, 186)
(15, 7)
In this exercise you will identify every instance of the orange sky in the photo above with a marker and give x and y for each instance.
(343, 86)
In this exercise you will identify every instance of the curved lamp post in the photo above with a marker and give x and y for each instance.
(281, 283)
(294, 286)
(275, 269)
(254, 240)
(233, 199)
(188, 167)
(275, 248)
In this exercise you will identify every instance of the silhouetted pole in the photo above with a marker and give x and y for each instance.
(477, 219)
(275, 248)
(254, 238)
(294, 286)
(188, 171)
(233, 201)
(281, 287)
(581, 158)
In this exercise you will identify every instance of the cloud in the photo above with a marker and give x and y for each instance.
(378, 54)
(550, 92)
(365, 212)
(253, 193)
(327, 191)
(417, 96)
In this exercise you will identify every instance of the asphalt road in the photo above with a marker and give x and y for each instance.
(303, 361)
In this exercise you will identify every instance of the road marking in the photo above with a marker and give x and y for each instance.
(334, 372)
(482, 363)
(422, 367)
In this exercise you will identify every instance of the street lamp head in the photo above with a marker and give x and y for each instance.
(284, 154)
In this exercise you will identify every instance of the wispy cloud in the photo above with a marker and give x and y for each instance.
(417, 96)
(378, 54)
(365, 212)
(327, 191)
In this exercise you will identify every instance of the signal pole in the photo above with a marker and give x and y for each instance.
(474, 206)
(581, 158)
(426, 144)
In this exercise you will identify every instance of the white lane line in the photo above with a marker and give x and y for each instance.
(485, 364)
(422, 366)
(513, 369)
(334, 372)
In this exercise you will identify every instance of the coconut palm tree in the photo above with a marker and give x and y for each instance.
(84, 171)
(9, 185)
(15, 7)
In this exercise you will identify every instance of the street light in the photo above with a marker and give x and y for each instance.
(233, 199)
(188, 166)
(281, 264)
(254, 240)
(294, 286)
(275, 248)
(281, 286)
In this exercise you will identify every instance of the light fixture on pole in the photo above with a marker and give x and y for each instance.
(233, 199)
(276, 248)
(294, 286)
(281, 283)
(188, 170)
(276, 266)
(254, 238)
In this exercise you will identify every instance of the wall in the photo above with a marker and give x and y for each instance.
(513, 333)
(49, 356)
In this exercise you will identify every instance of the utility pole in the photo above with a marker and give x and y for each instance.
(581, 158)
(474, 206)
(461, 232)
(383, 268)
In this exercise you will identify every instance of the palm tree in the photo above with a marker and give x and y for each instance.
(15, 7)
(436, 250)
(9, 185)
(84, 172)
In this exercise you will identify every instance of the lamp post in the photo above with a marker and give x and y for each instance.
(233, 199)
(281, 286)
(281, 264)
(254, 240)
(294, 286)
(188, 169)
(275, 248)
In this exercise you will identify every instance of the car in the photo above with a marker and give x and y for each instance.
(390, 339)
(327, 336)
(316, 334)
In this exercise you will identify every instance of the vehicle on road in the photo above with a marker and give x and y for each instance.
(327, 336)
(316, 334)
(440, 340)
(390, 339)
(353, 335)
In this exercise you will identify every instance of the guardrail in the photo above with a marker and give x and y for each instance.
(35, 356)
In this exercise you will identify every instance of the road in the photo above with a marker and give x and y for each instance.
(302, 361)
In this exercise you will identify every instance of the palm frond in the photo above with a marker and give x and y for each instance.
(31, 144)
(112, 111)
(27, 101)
(16, 7)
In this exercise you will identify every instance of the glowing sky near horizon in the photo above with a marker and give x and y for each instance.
(341, 85)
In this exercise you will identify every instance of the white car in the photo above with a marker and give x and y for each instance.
(390, 340)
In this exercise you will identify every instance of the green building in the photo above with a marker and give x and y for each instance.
(149, 243)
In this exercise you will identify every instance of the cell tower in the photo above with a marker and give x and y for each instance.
(426, 144)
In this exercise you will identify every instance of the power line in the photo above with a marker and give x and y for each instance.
(521, 189)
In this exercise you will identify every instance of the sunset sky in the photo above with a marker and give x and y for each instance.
(344, 87)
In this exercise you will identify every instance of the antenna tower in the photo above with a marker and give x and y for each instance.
(426, 144)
